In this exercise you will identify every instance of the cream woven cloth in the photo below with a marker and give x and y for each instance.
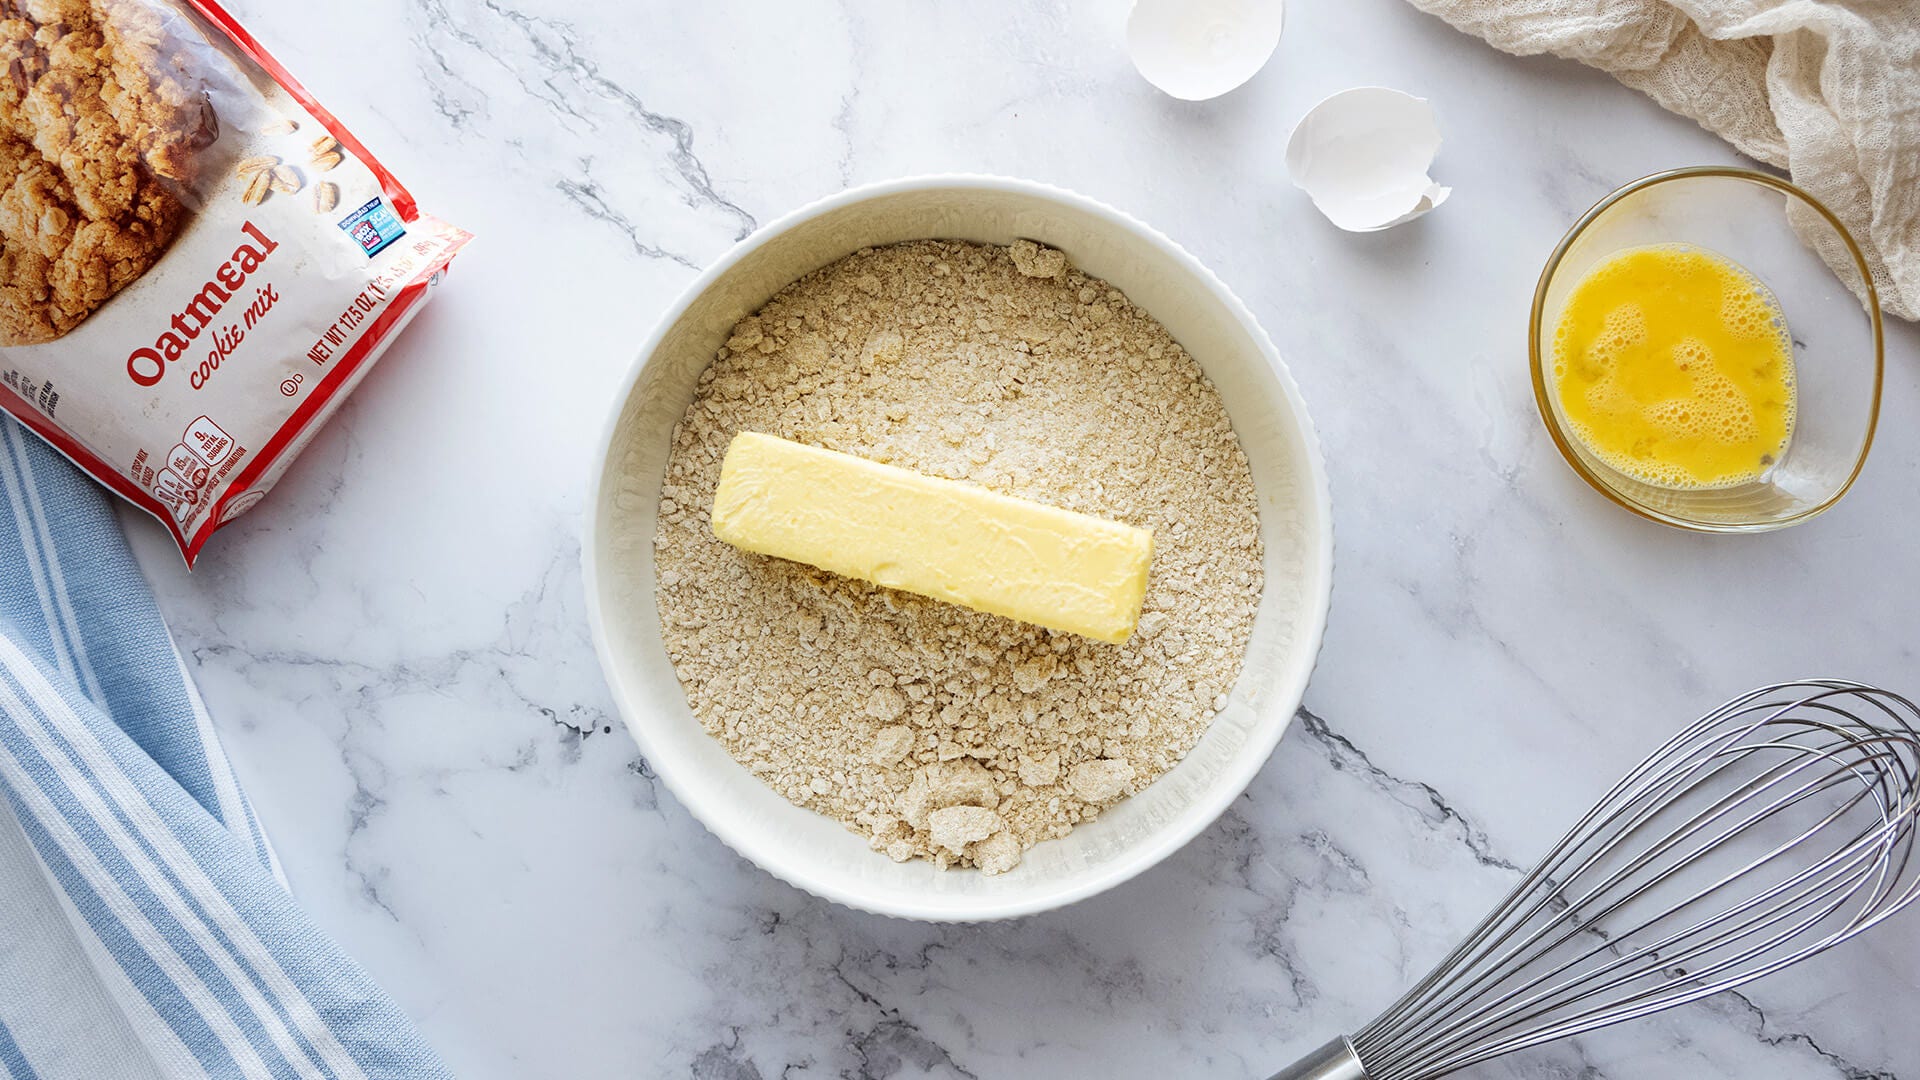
(1827, 89)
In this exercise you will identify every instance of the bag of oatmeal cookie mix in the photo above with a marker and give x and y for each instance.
(197, 262)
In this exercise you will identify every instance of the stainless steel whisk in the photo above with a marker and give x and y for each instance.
(1779, 824)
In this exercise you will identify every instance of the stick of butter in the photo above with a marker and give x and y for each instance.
(941, 538)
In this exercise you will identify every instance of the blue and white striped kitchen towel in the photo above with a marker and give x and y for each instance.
(145, 929)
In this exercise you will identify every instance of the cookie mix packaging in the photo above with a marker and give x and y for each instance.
(197, 262)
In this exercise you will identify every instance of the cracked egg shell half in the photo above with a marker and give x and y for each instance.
(1199, 49)
(1363, 156)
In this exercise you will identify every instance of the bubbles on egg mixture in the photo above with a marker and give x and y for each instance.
(1750, 312)
(1716, 408)
(1665, 370)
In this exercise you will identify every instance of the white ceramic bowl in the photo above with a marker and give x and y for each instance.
(812, 851)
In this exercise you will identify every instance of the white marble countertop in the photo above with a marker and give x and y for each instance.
(395, 645)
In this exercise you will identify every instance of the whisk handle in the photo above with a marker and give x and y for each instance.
(1334, 1061)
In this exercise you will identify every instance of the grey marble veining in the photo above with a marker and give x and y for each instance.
(395, 643)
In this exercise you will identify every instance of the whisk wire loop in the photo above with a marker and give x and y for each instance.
(1772, 828)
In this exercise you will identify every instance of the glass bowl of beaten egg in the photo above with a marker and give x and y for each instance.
(1706, 350)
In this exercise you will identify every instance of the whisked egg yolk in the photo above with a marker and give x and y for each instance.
(1673, 365)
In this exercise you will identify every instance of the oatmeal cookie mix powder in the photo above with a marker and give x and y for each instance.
(935, 731)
